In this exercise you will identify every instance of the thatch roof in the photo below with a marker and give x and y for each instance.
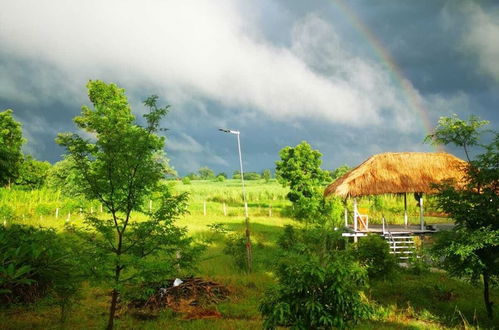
(399, 172)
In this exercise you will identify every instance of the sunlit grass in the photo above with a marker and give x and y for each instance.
(407, 301)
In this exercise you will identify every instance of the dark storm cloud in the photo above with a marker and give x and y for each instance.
(279, 71)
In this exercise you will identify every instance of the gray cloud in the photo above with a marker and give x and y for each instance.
(207, 50)
(482, 38)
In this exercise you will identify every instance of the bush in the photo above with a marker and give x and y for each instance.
(33, 263)
(374, 253)
(314, 294)
(220, 178)
(186, 180)
(235, 247)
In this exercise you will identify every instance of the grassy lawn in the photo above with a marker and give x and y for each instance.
(406, 301)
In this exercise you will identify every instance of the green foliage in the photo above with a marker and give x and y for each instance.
(192, 176)
(206, 173)
(299, 169)
(314, 294)
(319, 283)
(223, 174)
(338, 172)
(252, 176)
(186, 180)
(62, 176)
(453, 130)
(35, 262)
(472, 249)
(235, 247)
(7, 213)
(267, 175)
(373, 253)
(11, 141)
(120, 168)
(220, 178)
(33, 173)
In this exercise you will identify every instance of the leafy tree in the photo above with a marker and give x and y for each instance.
(192, 176)
(236, 174)
(472, 249)
(338, 172)
(11, 141)
(223, 174)
(300, 170)
(462, 133)
(33, 173)
(120, 167)
(206, 173)
(63, 176)
(251, 176)
(267, 175)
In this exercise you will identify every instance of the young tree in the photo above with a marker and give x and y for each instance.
(300, 170)
(120, 166)
(267, 175)
(472, 248)
(11, 141)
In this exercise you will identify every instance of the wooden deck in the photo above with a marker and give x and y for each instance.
(394, 229)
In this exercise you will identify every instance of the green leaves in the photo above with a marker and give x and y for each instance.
(299, 169)
(315, 294)
(11, 141)
(472, 248)
(121, 164)
(457, 131)
(31, 256)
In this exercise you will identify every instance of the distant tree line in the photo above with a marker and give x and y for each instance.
(206, 173)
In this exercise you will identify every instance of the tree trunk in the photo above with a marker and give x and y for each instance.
(486, 296)
(112, 309)
(117, 272)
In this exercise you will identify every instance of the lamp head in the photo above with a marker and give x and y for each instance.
(228, 131)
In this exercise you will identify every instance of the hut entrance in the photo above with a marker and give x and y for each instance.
(395, 173)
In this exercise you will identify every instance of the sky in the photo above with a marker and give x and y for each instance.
(353, 78)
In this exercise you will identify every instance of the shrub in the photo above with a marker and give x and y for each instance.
(220, 178)
(186, 180)
(33, 263)
(235, 247)
(314, 294)
(374, 253)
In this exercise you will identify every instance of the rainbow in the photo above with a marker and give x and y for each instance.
(389, 63)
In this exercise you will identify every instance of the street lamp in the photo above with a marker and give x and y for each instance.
(246, 220)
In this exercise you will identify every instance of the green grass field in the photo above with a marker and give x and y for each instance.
(427, 301)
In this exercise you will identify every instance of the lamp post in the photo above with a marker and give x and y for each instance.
(249, 255)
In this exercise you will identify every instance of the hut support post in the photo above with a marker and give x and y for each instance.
(405, 209)
(421, 217)
(355, 214)
(346, 217)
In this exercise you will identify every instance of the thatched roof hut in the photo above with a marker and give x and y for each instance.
(397, 173)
